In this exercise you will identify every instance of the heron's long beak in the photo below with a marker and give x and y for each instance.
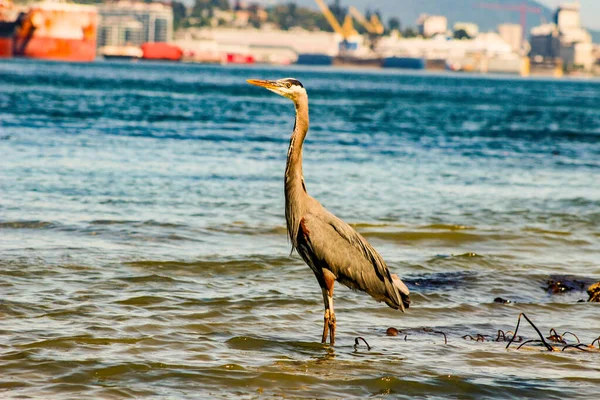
(264, 83)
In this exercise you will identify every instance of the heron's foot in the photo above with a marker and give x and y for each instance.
(331, 323)
(325, 327)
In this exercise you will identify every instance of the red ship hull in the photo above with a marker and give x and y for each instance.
(57, 31)
(7, 32)
(60, 49)
(161, 51)
(233, 58)
(6, 47)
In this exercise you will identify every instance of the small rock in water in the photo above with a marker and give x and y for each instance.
(564, 285)
(501, 300)
(594, 292)
(391, 331)
(557, 287)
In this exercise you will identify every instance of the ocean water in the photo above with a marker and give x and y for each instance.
(143, 251)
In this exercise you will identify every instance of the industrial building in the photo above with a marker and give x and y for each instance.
(120, 31)
(471, 29)
(431, 25)
(564, 40)
(280, 47)
(545, 42)
(513, 35)
(133, 23)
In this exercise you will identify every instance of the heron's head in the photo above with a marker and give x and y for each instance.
(287, 87)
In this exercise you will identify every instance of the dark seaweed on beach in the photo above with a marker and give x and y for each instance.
(553, 337)
(439, 332)
(567, 283)
(594, 292)
(356, 343)
(512, 337)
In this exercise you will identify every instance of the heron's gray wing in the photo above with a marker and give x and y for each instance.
(336, 246)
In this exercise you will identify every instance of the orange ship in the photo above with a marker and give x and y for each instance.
(6, 38)
(57, 31)
(8, 24)
(161, 51)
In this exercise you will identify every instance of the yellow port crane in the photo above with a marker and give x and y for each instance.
(374, 27)
(346, 30)
(377, 24)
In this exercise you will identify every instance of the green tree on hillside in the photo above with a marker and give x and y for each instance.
(394, 23)
(338, 11)
(222, 4)
(410, 32)
(289, 15)
(205, 8)
(179, 13)
(461, 34)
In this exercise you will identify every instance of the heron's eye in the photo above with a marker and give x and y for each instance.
(289, 85)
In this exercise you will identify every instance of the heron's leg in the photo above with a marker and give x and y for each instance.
(331, 320)
(329, 279)
(326, 318)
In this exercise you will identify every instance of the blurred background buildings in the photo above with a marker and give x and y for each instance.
(285, 32)
(134, 23)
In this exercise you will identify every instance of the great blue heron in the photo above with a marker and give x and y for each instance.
(330, 247)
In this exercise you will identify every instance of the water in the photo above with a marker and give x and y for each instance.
(143, 249)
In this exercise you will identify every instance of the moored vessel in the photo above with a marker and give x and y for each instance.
(314, 59)
(238, 58)
(404, 62)
(8, 25)
(120, 52)
(57, 31)
(161, 51)
(357, 61)
(7, 29)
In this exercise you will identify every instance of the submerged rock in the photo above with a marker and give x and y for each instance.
(391, 331)
(594, 292)
(567, 283)
(555, 287)
(442, 280)
(501, 300)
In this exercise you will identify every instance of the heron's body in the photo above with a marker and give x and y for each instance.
(330, 247)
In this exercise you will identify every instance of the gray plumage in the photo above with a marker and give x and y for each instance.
(330, 247)
(332, 244)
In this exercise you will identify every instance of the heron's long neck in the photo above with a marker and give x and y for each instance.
(294, 181)
(293, 170)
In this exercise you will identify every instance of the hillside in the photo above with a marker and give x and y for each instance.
(455, 10)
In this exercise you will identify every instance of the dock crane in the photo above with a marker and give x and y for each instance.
(346, 31)
(374, 27)
(351, 47)
(522, 8)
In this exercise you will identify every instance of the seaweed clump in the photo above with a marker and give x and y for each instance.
(555, 338)
(553, 342)
(594, 293)
(562, 286)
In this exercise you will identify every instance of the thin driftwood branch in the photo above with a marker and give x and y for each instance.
(572, 334)
(579, 346)
(356, 343)
(548, 346)
(429, 330)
